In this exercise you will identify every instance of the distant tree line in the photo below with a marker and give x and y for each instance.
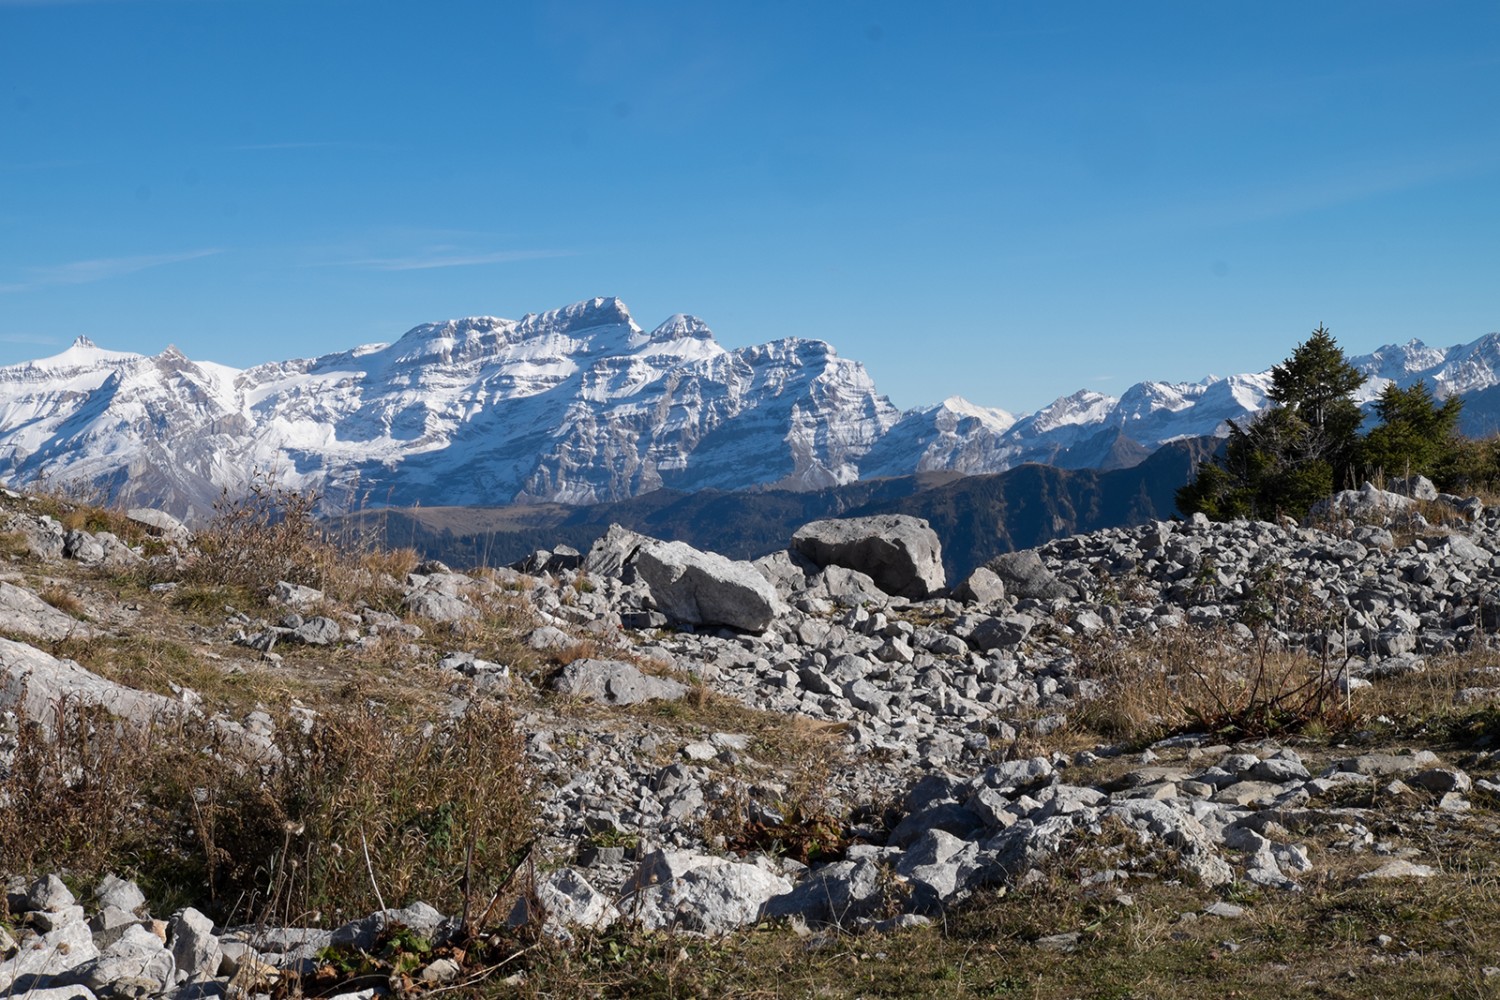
(1309, 442)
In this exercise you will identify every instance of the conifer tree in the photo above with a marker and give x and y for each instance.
(1294, 453)
(1416, 436)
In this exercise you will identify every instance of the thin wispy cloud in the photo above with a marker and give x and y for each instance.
(449, 259)
(40, 164)
(29, 338)
(258, 147)
(1314, 194)
(83, 272)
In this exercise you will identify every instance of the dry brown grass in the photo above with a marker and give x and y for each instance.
(13, 546)
(63, 600)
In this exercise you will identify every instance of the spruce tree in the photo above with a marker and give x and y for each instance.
(1416, 436)
(1294, 453)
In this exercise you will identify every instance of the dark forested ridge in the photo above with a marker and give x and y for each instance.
(977, 517)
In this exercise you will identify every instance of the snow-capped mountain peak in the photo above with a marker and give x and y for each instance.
(580, 404)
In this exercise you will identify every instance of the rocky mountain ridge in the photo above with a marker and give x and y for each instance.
(577, 405)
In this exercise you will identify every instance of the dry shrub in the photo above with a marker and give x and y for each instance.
(202, 816)
(583, 649)
(803, 819)
(1207, 679)
(80, 505)
(392, 563)
(433, 806)
(272, 533)
(266, 536)
(68, 799)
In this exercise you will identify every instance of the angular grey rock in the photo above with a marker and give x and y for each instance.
(420, 918)
(900, 553)
(195, 949)
(295, 594)
(137, 954)
(949, 817)
(49, 893)
(1278, 771)
(549, 637)
(1416, 487)
(161, 524)
(1367, 502)
(78, 992)
(983, 586)
(704, 588)
(935, 867)
(1179, 830)
(840, 894)
(612, 552)
(37, 683)
(1460, 549)
(1399, 869)
(850, 587)
(1000, 633)
(437, 606)
(614, 682)
(439, 971)
(787, 571)
(1386, 764)
(43, 535)
(1016, 774)
(110, 923)
(318, 631)
(51, 957)
(83, 547)
(119, 893)
(1025, 575)
(1443, 780)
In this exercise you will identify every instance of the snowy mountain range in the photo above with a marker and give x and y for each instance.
(576, 405)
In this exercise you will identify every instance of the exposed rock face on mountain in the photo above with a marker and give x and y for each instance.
(578, 405)
(575, 405)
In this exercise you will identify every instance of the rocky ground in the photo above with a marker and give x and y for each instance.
(831, 741)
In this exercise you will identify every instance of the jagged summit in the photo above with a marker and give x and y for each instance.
(585, 315)
(682, 327)
(81, 355)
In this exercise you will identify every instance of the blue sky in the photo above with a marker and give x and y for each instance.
(1004, 201)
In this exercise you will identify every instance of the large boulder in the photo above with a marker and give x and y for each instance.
(704, 588)
(1368, 503)
(900, 553)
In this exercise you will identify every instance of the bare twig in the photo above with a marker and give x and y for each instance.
(370, 868)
